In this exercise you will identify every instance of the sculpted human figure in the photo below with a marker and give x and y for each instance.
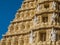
(54, 5)
(53, 35)
(31, 37)
(53, 17)
(35, 20)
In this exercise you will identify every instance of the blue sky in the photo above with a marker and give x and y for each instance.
(8, 9)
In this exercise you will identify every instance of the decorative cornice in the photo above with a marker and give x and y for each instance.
(49, 1)
(26, 9)
(25, 33)
(21, 21)
(36, 15)
(47, 12)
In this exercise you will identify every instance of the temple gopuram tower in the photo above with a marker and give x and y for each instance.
(37, 22)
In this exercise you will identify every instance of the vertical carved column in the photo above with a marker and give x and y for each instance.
(12, 41)
(33, 37)
(26, 40)
(8, 41)
(15, 40)
(49, 21)
(20, 41)
(48, 35)
(19, 27)
(41, 20)
(38, 37)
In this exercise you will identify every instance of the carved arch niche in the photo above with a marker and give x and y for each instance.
(22, 26)
(27, 14)
(22, 15)
(31, 4)
(9, 41)
(23, 6)
(17, 15)
(27, 5)
(32, 13)
(45, 18)
(28, 25)
(11, 28)
(16, 26)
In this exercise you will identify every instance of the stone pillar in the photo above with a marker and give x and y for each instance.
(15, 40)
(8, 41)
(12, 41)
(19, 27)
(20, 41)
(26, 40)
(38, 37)
(54, 43)
(49, 19)
(40, 19)
(48, 37)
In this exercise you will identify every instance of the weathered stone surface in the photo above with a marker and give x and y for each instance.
(35, 16)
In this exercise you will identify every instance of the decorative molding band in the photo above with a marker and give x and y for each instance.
(25, 33)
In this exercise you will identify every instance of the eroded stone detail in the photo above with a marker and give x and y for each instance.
(20, 28)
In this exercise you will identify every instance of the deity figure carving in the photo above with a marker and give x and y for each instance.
(53, 17)
(54, 5)
(53, 35)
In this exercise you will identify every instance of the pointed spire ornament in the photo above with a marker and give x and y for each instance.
(53, 35)
(31, 37)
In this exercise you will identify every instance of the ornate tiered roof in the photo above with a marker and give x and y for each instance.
(37, 17)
